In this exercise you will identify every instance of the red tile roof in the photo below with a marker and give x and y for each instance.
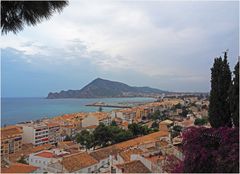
(10, 131)
(133, 167)
(45, 154)
(75, 162)
(19, 168)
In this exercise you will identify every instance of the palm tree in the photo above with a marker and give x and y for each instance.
(15, 14)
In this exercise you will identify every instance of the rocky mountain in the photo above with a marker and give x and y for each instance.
(100, 88)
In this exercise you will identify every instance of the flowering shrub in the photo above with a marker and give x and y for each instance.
(210, 150)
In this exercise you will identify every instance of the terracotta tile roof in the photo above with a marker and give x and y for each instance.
(104, 153)
(140, 140)
(69, 126)
(67, 143)
(78, 161)
(155, 159)
(19, 168)
(117, 120)
(28, 149)
(133, 167)
(52, 124)
(125, 124)
(45, 154)
(10, 131)
(126, 155)
(99, 115)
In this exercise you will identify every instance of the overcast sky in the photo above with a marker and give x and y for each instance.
(166, 45)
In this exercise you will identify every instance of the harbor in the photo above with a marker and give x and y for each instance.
(102, 104)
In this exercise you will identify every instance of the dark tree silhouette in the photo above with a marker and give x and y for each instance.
(16, 14)
(219, 107)
(234, 96)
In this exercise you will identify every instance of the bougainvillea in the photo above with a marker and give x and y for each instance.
(210, 150)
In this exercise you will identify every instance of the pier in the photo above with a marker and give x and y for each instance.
(102, 104)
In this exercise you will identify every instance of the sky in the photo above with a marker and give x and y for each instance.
(166, 45)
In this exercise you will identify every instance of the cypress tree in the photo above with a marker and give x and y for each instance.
(234, 96)
(219, 107)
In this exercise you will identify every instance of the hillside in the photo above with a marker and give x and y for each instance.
(100, 88)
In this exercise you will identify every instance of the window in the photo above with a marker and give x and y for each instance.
(95, 167)
(89, 169)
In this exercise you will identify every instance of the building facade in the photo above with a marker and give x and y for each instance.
(11, 140)
(35, 133)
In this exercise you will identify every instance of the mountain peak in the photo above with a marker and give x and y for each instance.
(98, 79)
(102, 88)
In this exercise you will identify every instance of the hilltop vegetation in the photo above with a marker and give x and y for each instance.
(101, 88)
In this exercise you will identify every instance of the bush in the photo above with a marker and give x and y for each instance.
(210, 150)
(200, 121)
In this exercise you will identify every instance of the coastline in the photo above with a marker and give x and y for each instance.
(14, 110)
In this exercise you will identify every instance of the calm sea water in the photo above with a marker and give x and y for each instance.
(14, 110)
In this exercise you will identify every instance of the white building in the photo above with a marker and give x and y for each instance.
(54, 133)
(46, 157)
(35, 133)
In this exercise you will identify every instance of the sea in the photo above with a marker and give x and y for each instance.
(15, 110)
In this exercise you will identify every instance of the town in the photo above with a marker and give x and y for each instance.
(142, 139)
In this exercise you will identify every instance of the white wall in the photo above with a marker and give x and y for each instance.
(28, 134)
(39, 161)
(119, 115)
(90, 121)
(86, 170)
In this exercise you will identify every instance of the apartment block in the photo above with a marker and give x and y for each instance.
(35, 133)
(11, 140)
(53, 132)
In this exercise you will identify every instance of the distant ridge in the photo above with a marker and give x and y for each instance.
(101, 88)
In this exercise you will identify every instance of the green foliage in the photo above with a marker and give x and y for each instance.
(177, 128)
(174, 134)
(22, 160)
(178, 106)
(234, 96)
(156, 115)
(200, 121)
(121, 135)
(138, 129)
(16, 14)
(175, 131)
(86, 139)
(185, 112)
(135, 129)
(102, 135)
(219, 107)
(106, 135)
(155, 125)
(113, 123)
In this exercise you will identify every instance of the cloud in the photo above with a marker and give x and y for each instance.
(162, 41)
